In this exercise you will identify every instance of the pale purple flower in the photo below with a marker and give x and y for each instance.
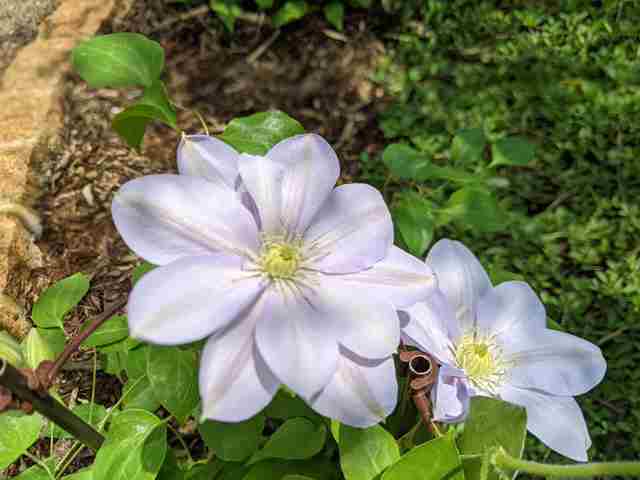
(493, 341)
(293, 281)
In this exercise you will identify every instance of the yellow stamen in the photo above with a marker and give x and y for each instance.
(482, 360)
(280, 260)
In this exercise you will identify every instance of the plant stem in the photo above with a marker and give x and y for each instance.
(42, 402)
(182, 442)
(503, 460)
(47, 371)
(41, 464)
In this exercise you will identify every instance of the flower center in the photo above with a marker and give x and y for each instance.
(482, 360)
(280, 260)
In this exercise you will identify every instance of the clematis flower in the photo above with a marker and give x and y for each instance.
(493, 341)
(291, 280)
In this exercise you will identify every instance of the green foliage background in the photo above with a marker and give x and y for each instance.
(565, 75)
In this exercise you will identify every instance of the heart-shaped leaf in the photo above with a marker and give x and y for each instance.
(57, 300)
(512, 151)
(134, 448)
(491, 423)
(434, 460)
(19, 432)
(118, 60)
(173, 374)
(366, 452)
(233, 442)
(257, 133)
(296, 439)
(113, 330)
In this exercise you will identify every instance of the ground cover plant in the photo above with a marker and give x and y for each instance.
(561, 77)
(462, 188)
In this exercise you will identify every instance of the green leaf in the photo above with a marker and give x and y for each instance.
(334, 13)
(264, 4)
(491, 423)
(84, 474)
(37, 472)
(227, 10)
(57, 300)
(134, 448)
(334, 427)
(118, 60)
(415, 222)
(286, 405)
(170, 469)
(553, 325)
(468, 146)
(434, 460)
(233, 471)
(41, 344)
(361, 3)
(277, 469)
(140, 270)
(476, 208)
(257, 133)
(296, 477)
(291, 11)
(111, 331)
(512, 151)
(19, 432)
(207, 471)
(136, 363)
(115, 360)
(132, 122)
(93, 415)
(365, 453)
(10, 350)
(296, 439)
(406, 162)
(174, 377)
(233, 442)
(138, 393)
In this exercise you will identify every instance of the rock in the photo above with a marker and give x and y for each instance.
(32, 114)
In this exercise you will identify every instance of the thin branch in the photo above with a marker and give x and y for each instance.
(47, 370)
(12, 379)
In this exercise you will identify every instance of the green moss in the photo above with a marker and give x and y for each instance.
(565, 75)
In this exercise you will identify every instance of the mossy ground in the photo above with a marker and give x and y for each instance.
(564, 75)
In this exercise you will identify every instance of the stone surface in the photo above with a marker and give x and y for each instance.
(31, 99)
(19, 21)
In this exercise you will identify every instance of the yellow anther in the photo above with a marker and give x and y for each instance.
(481, 359)
(280, 260)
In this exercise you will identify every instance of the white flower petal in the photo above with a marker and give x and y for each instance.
(166, 217)
(352, 230)
(235, 382)
(557, 421)
(511, 310)
(298, 338)
(399, 278)
(369, 326)
(189, 299)
(460, 277)
(555, 362)
(262, 177)
(361, 392)
(431, 327)
(209, 158)
(311, 171)
(451, 396)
